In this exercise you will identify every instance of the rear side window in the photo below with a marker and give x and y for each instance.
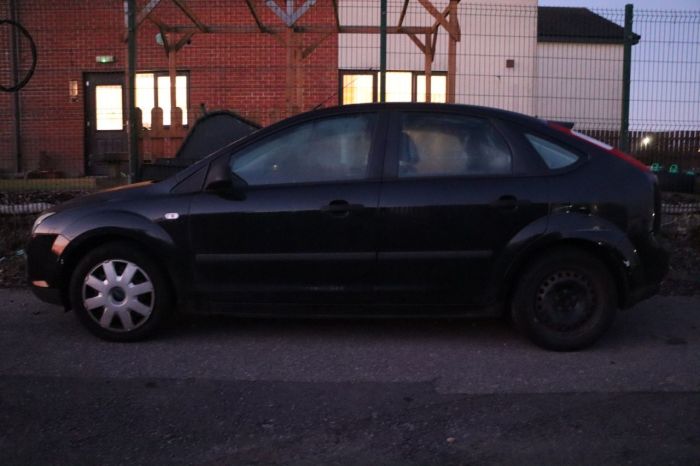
(450, 145)
(554, 155)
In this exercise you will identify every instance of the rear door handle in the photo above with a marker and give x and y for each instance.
(341, 208)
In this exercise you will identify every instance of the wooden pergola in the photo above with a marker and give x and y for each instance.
(286, 33)
(425, 37)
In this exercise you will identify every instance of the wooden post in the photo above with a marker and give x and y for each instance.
(290, 74)
(172, 72)
(452, 55)
(428, 53)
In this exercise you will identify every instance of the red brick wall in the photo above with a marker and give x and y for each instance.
(240, 72)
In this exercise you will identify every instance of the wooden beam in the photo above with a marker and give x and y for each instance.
(310, 49)
(141, 16)
(440, 17)
(336, 15)
(190, 14)
(436, 24)
(164, 37)
(183, 40)
(403, 13)
(417, 41)
(254, 13)
(320, 28)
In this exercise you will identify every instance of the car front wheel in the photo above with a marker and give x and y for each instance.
(565, 300)
(119, 293)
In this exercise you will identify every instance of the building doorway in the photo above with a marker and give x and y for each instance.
(106, 150)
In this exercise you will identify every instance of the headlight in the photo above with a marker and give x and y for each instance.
(40, 219)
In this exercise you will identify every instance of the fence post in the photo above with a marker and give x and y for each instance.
(382, 52)
(132, 130)
(628, 41)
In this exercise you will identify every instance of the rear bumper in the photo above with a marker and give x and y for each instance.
(645, 279)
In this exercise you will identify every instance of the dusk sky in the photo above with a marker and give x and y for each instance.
(641, 4)
(665, 93)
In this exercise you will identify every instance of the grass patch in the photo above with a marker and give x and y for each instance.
(49, 184)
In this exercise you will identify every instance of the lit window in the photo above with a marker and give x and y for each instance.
(108, 105)
(438, 88)
(153, 90)
(145, 96)
(180, 97)
(357, 88)
(399, 86)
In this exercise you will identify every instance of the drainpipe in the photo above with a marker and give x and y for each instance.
(17, 110)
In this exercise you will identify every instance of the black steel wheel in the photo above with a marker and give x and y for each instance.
(565, 300)
(119, 293)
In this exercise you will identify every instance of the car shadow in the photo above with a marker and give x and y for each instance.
(341, 328)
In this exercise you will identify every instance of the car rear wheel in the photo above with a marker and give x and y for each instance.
(565, 300)
(119, 293)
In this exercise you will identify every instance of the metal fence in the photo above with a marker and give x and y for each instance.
(264, 60)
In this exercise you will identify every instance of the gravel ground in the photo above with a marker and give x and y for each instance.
(224, 391)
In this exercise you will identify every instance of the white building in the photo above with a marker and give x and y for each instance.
(553, 62)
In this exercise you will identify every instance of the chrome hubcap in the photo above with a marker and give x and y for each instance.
(118, 295)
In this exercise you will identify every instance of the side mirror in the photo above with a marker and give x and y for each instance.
(221, 181)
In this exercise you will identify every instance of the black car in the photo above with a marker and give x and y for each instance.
(369, 210)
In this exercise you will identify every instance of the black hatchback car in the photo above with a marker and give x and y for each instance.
(369, 210)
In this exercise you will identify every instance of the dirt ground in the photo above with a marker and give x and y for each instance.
(680, 235)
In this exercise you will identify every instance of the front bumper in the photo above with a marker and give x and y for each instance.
(43, 268)
(45, 293)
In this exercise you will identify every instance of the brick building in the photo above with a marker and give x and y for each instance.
(240, 71)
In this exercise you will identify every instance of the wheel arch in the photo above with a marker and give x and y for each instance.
(80, 246)
(611, 256)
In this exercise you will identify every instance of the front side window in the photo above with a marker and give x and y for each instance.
(332, 149)
(450, 145)
(554, 155)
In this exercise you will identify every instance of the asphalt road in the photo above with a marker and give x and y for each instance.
(220, 391)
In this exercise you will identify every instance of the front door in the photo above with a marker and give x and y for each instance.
(106, 151)
(305, 230)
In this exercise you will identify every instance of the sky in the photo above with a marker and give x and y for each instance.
(638, 4)
(665, 91)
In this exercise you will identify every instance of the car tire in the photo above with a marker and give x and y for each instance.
(119, 293)
(565, 300)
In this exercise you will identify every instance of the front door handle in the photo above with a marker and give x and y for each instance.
(341, 208)
(507, 203)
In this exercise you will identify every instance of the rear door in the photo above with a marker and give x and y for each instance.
(453, 198)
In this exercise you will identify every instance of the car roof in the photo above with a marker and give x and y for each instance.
(426, 107)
